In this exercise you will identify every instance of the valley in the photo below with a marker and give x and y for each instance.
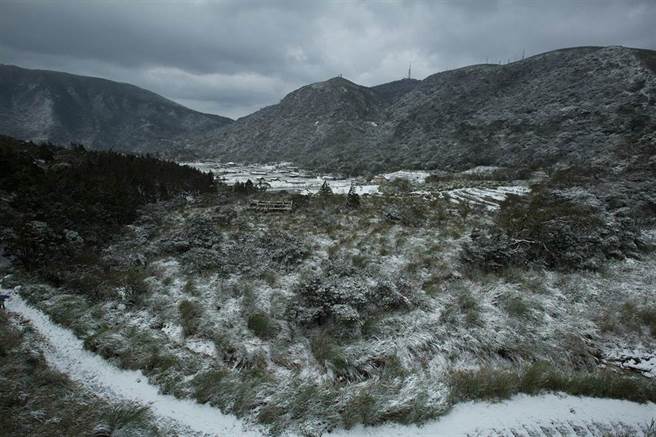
(384, 309)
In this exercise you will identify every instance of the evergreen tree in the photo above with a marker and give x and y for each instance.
(325, 190)
(249, 187)
(352, 198)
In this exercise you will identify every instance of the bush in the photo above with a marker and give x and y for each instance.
(9, 336)
(190, 313)
(552, 229)
(329, 354)
(127, 415)
(489, 383)
(262, 326)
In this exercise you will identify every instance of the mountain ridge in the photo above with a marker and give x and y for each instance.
(567, 106)
(45, 105)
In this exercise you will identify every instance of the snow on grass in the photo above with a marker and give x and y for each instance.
(631, 359)
(68, 355)
(522, 415)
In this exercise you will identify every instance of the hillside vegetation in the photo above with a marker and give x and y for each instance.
(570, 106)
(42, 105)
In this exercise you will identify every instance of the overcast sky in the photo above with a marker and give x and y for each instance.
(233, 57)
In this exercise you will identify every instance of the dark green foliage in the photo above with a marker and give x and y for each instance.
(59, 204)
(488, 383)
(190, 313)
(352, 198)
(9, 336)
(325, 190)
(262, 326)
(549, 229)
(244, 188)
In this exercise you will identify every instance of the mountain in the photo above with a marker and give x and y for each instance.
(571, 106)
(52, 106)
(392, 91)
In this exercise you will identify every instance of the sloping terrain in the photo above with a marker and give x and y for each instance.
(522, 415)
(566, 106)
(51, 106)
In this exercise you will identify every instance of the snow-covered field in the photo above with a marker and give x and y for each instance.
(489, 198)
(281, 177)
(522, 415)
(286, 177)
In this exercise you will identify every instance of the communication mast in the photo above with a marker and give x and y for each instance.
(410, 71)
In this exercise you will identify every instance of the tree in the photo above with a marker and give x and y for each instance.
(352, 198)
(325, 190)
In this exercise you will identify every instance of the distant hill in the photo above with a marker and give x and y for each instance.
(51, 106)
(566, 106)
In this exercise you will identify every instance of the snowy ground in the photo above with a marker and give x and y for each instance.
(530, 416)
(522, 415)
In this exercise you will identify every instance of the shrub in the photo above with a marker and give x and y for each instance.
(469, 307)
(127, 415)
(262, 326)
(516, 306)
(206, 384)
(549, 228)
(190, 288)
(329, 354)
(9, 336)
(190, 313)
(489, 383)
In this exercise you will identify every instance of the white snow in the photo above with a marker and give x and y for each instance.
(639, 360)
(199, 346)
(522, 415)
(67, 355)
(490, 198)
(410, 175)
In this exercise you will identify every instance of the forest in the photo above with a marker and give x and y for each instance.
(59, 204)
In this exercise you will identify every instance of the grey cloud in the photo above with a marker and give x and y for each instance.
(231, 57)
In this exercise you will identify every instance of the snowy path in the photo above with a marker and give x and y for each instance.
(529, 416)
(522, 415)
(67, 355)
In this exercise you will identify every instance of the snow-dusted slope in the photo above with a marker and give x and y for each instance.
(522, 415)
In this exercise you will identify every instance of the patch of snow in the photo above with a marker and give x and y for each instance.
(481, 170)
(415, 176)
(641, 361)
(199, 346)
(173, 332)
(489, 198)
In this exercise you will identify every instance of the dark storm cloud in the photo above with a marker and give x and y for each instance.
(232, 57)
